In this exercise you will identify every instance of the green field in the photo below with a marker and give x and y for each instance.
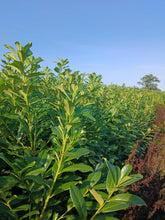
(64, 139)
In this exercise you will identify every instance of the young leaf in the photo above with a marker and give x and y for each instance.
(97, 196)
(125, 171)
(78, 201)
(11, 48)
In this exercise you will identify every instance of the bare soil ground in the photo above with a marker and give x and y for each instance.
(152, 187)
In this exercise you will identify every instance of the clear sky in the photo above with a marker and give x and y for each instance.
(122, 40)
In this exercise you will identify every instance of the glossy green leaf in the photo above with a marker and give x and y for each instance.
(78, 201)
(110, 182)
(127, 180)
(80, 166)
(125, 171)
(122, 201)
(114, 172)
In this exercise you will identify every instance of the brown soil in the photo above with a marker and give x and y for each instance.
(152, 187)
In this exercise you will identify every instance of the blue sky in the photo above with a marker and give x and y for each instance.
(122, 40)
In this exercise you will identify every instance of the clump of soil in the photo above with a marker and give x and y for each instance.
(152, 187)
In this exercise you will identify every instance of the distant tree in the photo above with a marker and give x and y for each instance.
(149, 82)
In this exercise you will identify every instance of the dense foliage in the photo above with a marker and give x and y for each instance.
(60, 134)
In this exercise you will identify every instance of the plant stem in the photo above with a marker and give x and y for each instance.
(54, 180)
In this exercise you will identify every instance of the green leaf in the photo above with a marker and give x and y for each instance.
(114, 172)
(18, 45)
(54, 168)
(92, 205)
(94, 178)
(44, 159)
(32, 75)
(97, 196)
(27, 167)
(47, 215)
(57, 132)
(18, 66)
(122, 201)
(63, 187)
(86, 114)
(35, 172)
(30, 214)
(20, 132)
(125, 171)
(11, 48)
(127, 180)
(79, 166)
(11, 55)
(109, 182)
(28, 157)
(27, 47)
(11, 116)
(2, 156)
(22, 208)
(76, 153)
(78, 201)
(7, 182)
(60, 88)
